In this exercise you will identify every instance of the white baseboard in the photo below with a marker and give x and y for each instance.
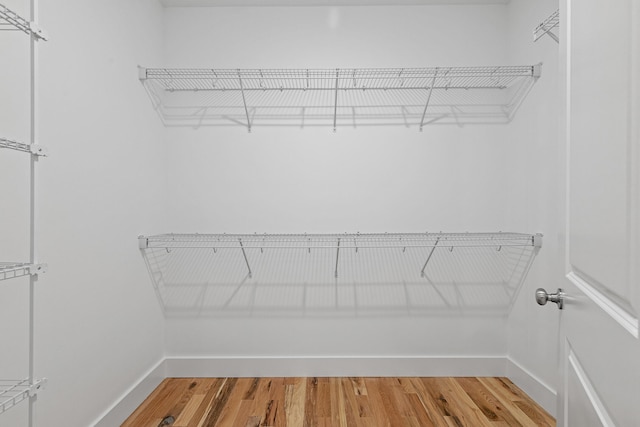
(335, 366)
(133, 397)
(487, 366)
(537, 389)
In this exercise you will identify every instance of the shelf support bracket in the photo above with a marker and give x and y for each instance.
(38, 150)
(429, 257)
(537, 241)
(335, 111)
(244, 254)
(337, 257)
(35, 269)
(38, 32)
(244, 101)
(37, 386)
(424, 112)
(142, 73)
(143, 242)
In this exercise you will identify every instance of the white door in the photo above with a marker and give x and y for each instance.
(599, 345)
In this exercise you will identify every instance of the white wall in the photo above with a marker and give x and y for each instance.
(537, 186)
(372, 179)
(98, 326)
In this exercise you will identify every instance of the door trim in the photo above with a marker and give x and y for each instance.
(624, 318)
(596, 403)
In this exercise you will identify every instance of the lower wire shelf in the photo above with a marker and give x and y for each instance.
(12, 392)
(303, 273)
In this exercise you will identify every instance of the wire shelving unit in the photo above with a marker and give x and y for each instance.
(225, 273)
(549, 26)
(12, 392)
(338, 97)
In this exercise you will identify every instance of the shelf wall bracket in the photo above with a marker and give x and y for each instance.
(536, 70)
(35, 269)
(38, 150)
(244, 101)
(422, 274)
(143, 242)
(37, 387)
(246, 260)
(38, 32)
(142, 73)
(424, 113)
(537, 242)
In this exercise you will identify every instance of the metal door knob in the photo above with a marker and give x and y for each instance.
(542, 297)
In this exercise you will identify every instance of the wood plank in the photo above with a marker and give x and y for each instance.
(311, 398)
(294, 400)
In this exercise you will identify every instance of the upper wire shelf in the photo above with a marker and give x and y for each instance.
(11, 21)
(13, 392)
(10, 270)
(338, 97)
(20, 146)
(547, 27)
(339, 241)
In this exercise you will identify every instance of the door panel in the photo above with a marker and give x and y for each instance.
(600, 349)
(600, 143)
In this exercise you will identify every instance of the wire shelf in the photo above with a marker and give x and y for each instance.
(338, 241)
(547, 26)
(338, 97)
(11, 21)
(13, 392)
(15, 145)
(299, 274)
(10, 270)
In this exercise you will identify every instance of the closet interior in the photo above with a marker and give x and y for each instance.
(332, 190)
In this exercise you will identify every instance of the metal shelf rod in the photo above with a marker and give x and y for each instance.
(244, 254)
(344, 89)
(424, 113)
(244, 246)
(335, 107)
(429, 257)
(337, 256)
(244, 102)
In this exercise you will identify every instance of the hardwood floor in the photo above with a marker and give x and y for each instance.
(328, 402)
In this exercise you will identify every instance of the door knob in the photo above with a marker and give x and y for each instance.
(542, 297)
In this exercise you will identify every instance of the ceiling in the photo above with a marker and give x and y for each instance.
(179, 3)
